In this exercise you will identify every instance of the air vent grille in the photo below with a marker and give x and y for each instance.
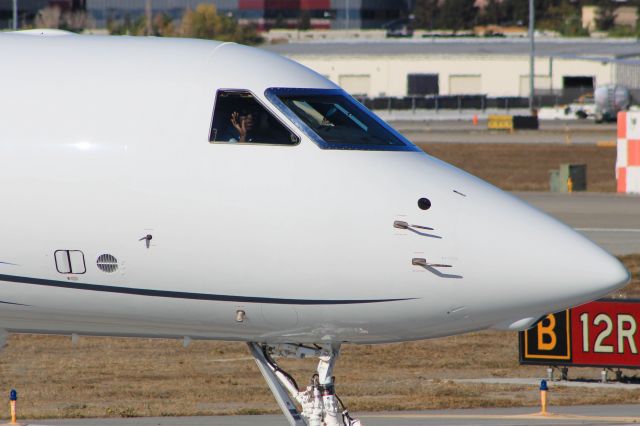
(107, 263)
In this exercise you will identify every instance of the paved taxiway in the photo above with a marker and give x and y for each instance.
(551, 132)
(580, 415)
(611, 220)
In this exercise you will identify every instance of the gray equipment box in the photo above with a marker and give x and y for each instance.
(568, 178)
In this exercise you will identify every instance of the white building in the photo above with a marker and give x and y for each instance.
(492, 67)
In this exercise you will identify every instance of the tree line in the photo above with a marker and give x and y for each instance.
(563, 16)
(202, 22)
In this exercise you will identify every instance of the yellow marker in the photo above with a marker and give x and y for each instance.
(13, 398)
(606, 144)
(543, 397)
(569, 185)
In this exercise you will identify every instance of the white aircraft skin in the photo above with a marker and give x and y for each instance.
(105, 140)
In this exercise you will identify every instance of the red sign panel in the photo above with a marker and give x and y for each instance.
(603, 333)
(606, 333)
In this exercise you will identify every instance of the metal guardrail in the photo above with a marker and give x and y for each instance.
(476, 101)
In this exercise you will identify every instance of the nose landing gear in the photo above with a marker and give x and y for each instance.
(320, 404)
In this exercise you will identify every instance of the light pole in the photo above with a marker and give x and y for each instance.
(346, 9)
(532, 51)
(15, 15)
(148, 11)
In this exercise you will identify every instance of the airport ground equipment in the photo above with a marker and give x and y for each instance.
(512, 122)
(604, 333)
(320, 404)
(525, 122)
(581, 108)
(568, 178)
(628, 152)
(500, 122)
(609, 100)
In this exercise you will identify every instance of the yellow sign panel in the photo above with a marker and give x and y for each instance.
(500, 122)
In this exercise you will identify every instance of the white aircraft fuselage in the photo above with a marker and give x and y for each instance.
(106, 140)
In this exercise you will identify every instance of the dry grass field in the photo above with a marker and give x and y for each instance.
(525, 167)
(631, 291)
(108, 377)
(144, 377)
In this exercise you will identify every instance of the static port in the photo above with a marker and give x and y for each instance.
(424, 203)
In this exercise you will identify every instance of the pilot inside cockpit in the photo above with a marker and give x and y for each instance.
(240, 118)
(243, 123)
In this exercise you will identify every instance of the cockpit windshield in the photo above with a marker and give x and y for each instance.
(334, 120)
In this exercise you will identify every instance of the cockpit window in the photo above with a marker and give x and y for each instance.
(334, 120)
(239, 118)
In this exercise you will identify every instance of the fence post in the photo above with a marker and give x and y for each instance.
(413, 104)
(459, 104)
(506, 104)
(436, 102)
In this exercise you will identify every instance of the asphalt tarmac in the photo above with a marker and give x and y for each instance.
(611, 220)
(578, 415)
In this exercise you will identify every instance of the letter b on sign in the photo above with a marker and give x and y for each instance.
(547, 340)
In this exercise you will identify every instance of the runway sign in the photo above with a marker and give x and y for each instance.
(604, 333)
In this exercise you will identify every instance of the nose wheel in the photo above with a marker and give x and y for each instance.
(320, 404)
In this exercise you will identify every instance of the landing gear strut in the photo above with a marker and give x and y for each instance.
(320, 404)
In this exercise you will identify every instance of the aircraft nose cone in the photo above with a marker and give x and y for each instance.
(572, 268)
(597, 272)
(538, 260)
(613, 274)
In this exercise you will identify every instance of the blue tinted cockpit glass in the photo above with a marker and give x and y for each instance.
(334, 120)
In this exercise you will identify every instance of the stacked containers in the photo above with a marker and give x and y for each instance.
(628, 160)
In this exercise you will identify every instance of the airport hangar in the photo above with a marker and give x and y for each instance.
(455, 66)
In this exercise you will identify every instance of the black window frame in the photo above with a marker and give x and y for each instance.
(266, 108)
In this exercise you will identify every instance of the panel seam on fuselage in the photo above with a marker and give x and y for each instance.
(188, 295)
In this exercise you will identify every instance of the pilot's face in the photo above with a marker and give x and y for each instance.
(247, 120)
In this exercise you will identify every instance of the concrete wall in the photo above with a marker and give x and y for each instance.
(500, 75)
